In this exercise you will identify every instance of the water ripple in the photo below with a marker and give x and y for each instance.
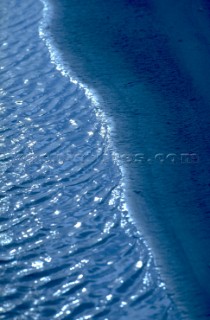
(68, 249)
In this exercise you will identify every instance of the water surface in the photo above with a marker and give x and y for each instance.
(69, 249)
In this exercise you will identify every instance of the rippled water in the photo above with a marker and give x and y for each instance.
(68, 247)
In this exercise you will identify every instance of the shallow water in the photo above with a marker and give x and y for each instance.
(69, 249)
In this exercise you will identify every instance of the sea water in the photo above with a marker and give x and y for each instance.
(69, 247)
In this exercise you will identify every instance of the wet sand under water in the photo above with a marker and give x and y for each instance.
(150, 65)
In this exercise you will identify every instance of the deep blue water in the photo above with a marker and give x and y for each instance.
(69, 246)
